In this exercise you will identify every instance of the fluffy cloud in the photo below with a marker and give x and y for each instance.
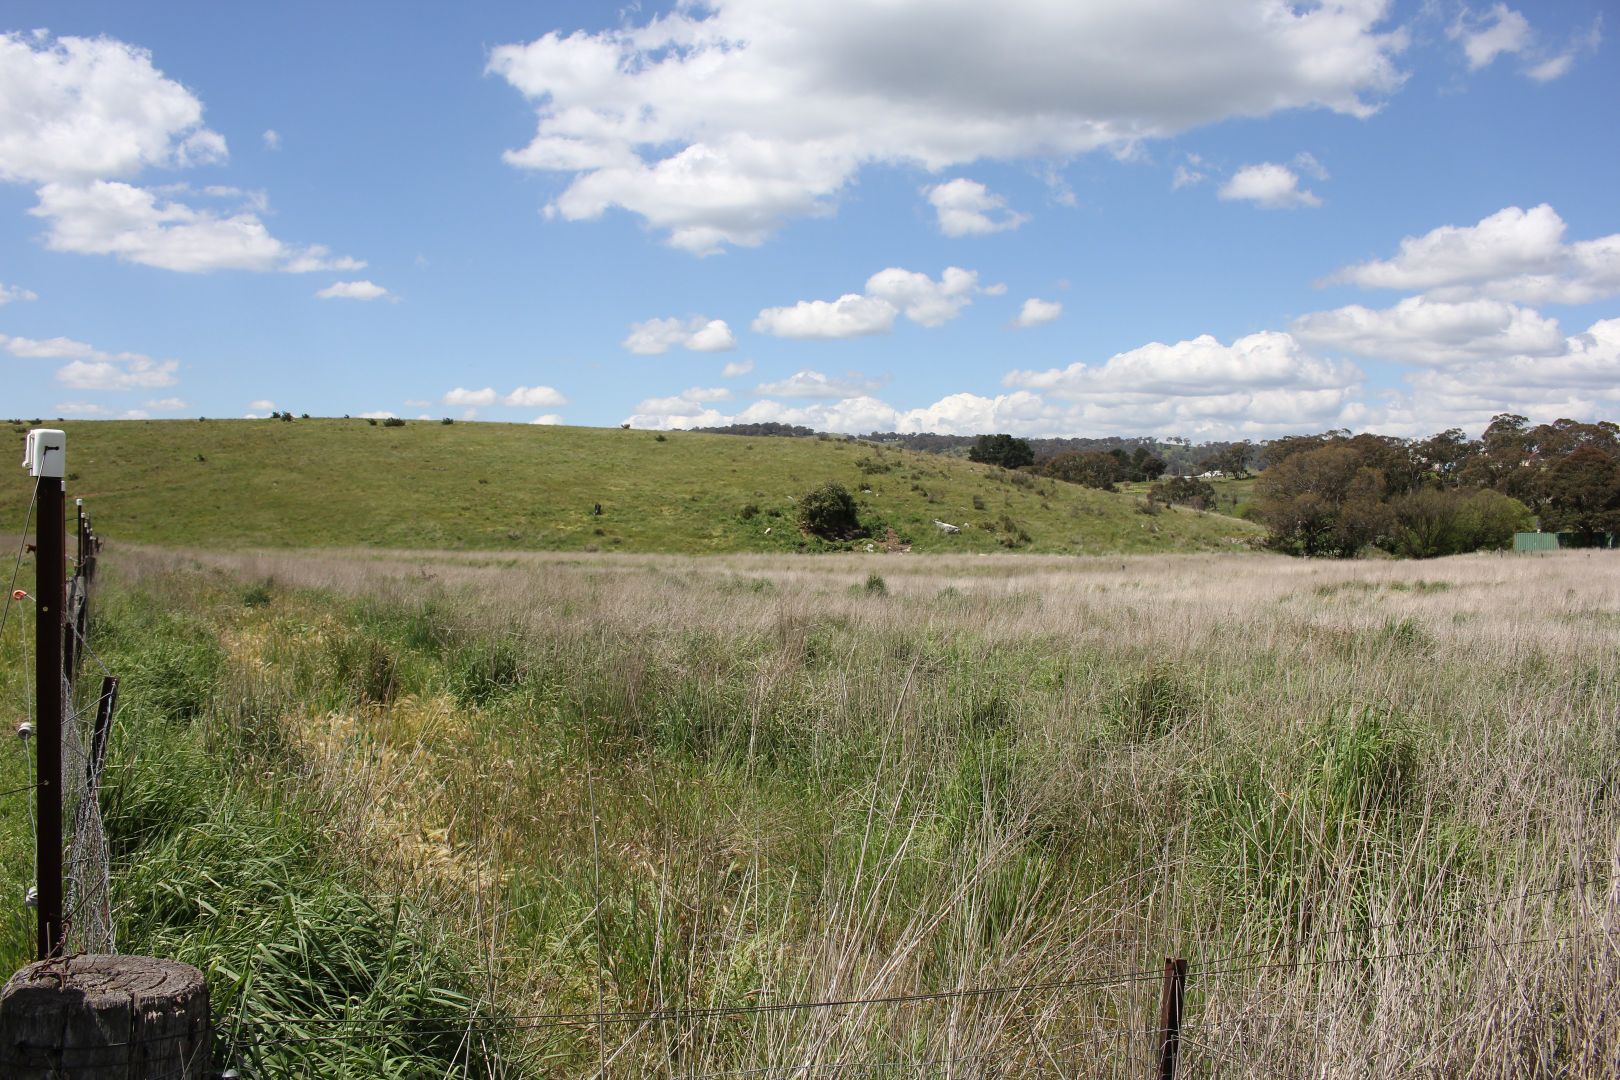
(1486, 36)
(11, 293)
(1513, 254)
(1501, 31)
(920, 298)
(851, 315)
(889, 293)
(1583, 382)
(272, 139)
(813, 384)
(547, 420)
(470, 398)
(1426, 331)
(91, 409)
(58, 348)
(352, 290)
(113, 218)
(77, 109)
(1273, 186)
(966, 208)
(699, 334)
(77, 114)
(690, 408)
(717, 121)
(90, 368)
(121, 375)
(266, 405)
(1037, 312)
(1262, 383)
(1260, 386)
(737, 369)
(534, 397)
(1269, 359)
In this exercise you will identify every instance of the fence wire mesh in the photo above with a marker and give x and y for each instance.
(87, 908)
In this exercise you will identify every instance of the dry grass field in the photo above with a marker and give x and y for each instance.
(642, 806)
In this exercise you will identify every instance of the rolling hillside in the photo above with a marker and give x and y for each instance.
(266, 483)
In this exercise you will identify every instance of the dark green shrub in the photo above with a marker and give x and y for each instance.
(829, 512)
(393, 421)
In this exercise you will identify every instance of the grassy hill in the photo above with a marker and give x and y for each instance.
(267, 483)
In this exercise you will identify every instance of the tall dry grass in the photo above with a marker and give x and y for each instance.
(1373, 803)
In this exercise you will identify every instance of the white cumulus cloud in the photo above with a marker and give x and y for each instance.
(533, 397)
(80, 116)
(547, 419)
(1426, 331)
(352, 290)
(90, 368)
(693, 407)
(851, 315)
(715, 122)
(1513, 254)
(1273, 186)
(813, 384)
(699, 334)
(1037, 312)
(12, 293)
(119, 375)
(1260, 384)
(966, 207)
(1486, 36)
(736, 369)
(75, 109)
(272, 139)
(113, 218)
(470, 398)
(890, 293)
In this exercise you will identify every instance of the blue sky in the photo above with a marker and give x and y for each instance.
(1169, 218)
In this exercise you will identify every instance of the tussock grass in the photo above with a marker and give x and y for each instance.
(1375, 811)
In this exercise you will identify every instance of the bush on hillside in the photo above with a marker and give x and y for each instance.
(1185, 491)
(829, 512)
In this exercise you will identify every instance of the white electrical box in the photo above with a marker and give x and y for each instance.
(45, 452)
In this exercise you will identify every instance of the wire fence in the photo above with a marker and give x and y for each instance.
(87, 925)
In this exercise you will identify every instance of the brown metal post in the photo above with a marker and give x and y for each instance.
(1167, 1039)
(50, 574)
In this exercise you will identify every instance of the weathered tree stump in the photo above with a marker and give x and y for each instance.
(105, 1018)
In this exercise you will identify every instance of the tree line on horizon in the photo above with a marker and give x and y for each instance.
(1339, 494)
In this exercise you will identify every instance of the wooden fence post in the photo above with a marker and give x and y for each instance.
(1167, 1038)
(105, 1018)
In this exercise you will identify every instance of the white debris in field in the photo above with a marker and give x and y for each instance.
(946, 527)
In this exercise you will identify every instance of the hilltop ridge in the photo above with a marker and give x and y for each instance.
(341, 482)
